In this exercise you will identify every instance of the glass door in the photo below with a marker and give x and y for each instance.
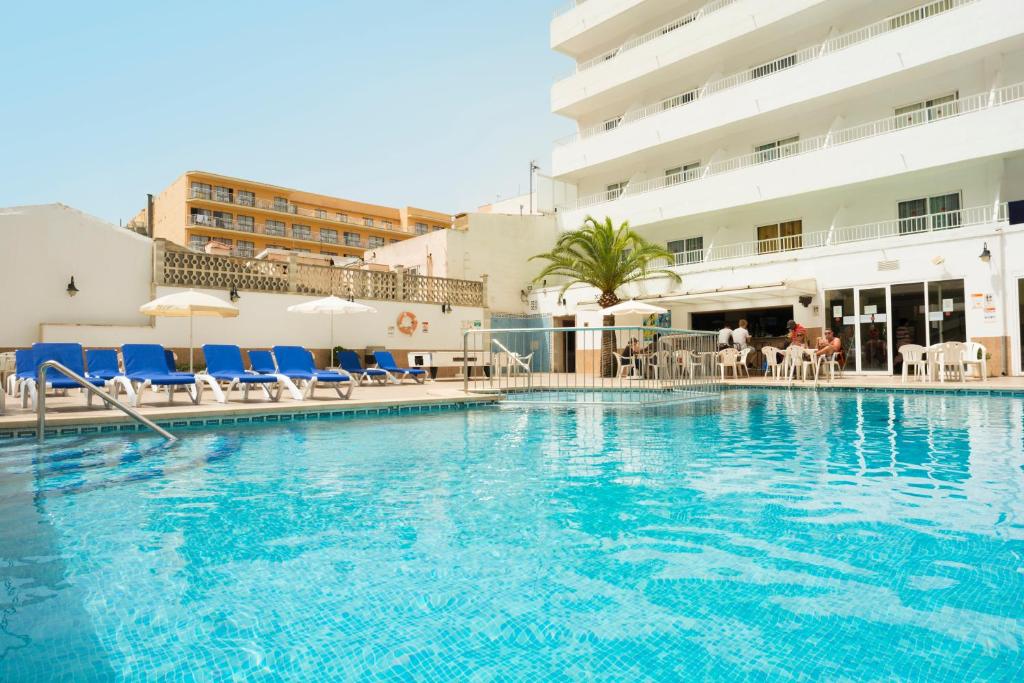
(841, 318)
(873, 329)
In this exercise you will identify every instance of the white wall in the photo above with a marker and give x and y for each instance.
(43, 246)
(264, 321)
(496, 245)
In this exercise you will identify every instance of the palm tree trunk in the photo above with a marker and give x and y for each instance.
(608, 368)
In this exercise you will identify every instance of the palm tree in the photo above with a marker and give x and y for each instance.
(607, 258)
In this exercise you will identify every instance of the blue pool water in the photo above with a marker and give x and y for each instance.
(829, 536)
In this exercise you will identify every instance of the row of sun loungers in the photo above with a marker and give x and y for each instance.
(151, 366)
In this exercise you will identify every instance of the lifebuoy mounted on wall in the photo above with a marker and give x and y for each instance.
(407, 323)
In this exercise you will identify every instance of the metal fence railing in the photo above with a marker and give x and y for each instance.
(616, 364)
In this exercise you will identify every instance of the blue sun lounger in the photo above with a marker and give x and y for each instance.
(349, 362)
(261, 362)
(102, 364)
(145, 365)
(67, 354)
(23, 367)
(386, 362)
(224, 372)
(296, 363)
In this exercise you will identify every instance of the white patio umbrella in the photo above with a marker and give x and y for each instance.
(633, 308)
(189, 304)
(331, 306)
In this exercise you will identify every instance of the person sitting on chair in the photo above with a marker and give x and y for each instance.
(797, 335)
(829, 345)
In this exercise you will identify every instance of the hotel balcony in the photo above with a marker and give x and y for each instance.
(195, 194)
(974, 127)
(709, 28)
(271, 232)
(583, 26)
(828, 241)
(902, 46)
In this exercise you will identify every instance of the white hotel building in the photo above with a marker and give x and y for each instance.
(847, 163)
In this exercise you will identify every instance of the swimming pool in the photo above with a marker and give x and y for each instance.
(825, 535)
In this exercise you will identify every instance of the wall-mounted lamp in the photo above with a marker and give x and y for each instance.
(563, 302)
(446, 308)
(805, 301)
(233, 295)
(985, 254)
(72, 290)
(522, 295)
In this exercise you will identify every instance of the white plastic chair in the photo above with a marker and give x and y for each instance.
(654, 363)
(744, 354)
(914, 359)
(689, 363)
(729, 358)
(627, 366)
(772, 364)
(975, 355)
(793, 360)
(952, 361)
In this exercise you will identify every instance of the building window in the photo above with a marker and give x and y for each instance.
(320, 213)
(940, 212)
(928, 110)
(770, 151)
(280, 204)
(302, 232)
(352, 239)
(246, 198)
(223, 219)
(222, 240)
(689, 250)
(388, 225)
(274, 228)
(246, 223)
(328, 235)
(376, 242)
(615, 190)
(201, 217)
(779, 237)
(223, 194)
(682, 174)
(773, 66)
(245, 249)
(201, 190)
(421, 228)
(343, 218)
(197, 242)
(367, 221)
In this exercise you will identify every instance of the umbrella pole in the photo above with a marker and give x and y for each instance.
(191, 366)
(330, 352)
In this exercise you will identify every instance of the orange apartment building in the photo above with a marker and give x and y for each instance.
(248, 216)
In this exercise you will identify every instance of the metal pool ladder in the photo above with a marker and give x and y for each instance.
(90, 387)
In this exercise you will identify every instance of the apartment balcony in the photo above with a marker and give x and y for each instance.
(875, 51)
(827, 241)
(581, 27)
(711, 26)
(975, 127)
(270, 232)
(289, 209)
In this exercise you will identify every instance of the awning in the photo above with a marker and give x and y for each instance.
(768, 293)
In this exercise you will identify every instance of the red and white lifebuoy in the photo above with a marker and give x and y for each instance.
(407, 323)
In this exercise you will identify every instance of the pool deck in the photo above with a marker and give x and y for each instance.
(886, 382)
(71, 410)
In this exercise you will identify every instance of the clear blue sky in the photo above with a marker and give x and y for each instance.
(433, 104)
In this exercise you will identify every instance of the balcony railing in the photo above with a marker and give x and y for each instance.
(290, 209)
(663, 30)
(978, 102)
(932, 222)
(807, 54)
(202, 221)
(568, 7)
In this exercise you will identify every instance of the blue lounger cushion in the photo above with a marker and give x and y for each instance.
(349, 362)
(224, 364)
(148, 362)
(295, 362)
(387, 362)
(262, 362)
(68, 355)
(24, 364)
(102, 363)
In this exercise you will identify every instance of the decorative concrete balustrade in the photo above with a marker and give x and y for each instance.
(176, 267)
